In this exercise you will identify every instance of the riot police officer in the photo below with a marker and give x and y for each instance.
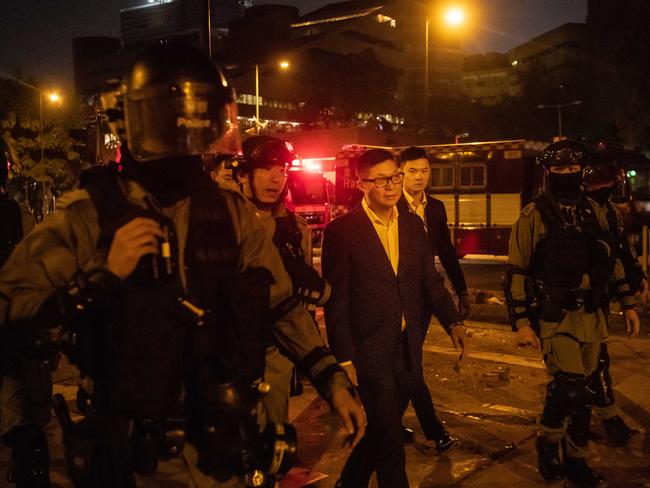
(262, 173)
(601, 180)
(559, 265)
(159, 287)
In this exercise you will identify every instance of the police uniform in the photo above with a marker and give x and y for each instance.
(561, 261)
(187, 327)
(279, 369)
(66, 243)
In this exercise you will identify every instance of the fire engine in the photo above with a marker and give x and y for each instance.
(310, 194)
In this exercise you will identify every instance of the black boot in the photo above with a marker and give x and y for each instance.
(578, 472)
(146, 442)
(548, 460)
(446, 442)
(617, 430)
(29, 463)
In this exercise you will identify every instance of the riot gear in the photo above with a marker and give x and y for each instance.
(174, 102)
(569, 251)
(564, 153)
(263, 152)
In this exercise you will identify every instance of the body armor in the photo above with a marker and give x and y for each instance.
(569, 251)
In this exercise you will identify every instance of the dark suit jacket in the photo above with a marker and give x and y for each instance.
(440, 240)
(364, 314)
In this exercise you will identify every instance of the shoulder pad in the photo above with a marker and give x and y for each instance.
(528, 209)
(71, 198)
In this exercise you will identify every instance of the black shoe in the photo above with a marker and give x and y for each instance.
(408, 434)
(445, 443)
(548, 460)
(618, 432)
(578, 472)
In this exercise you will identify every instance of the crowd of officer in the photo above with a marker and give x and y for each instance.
(186, 298)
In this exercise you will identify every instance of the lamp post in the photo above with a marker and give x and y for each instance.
(453, 17)
(53, 97)
(284, 64)
(559, 107)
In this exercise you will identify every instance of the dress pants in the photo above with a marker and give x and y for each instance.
(384, 398)
(425, 410)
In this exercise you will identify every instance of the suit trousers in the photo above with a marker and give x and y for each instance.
(425, 410)
(384, 398)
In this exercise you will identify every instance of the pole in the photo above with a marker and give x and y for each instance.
(559, 120)
(426, 73)
(257, 98)
(40, 106)
(210, 28)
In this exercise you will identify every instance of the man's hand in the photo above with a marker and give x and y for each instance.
(458, 337)
(351, 412)
(632, 322)
(526, 337)
(464, 307)
(132, 241)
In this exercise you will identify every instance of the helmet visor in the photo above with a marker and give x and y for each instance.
(603, 175)
(189, 122)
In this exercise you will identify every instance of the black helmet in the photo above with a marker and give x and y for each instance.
(265, 151)
(607, 173)
(564, 152)
(176, 102)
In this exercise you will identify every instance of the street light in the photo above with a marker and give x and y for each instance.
(453, 17)
(284, 65)
(53, 97)
(559, 107)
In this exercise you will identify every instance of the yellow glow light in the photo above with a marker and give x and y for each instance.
(454, 16)
(284, 64)
(54, 97)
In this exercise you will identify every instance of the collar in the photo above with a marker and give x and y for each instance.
(373, 216)
(411, 201)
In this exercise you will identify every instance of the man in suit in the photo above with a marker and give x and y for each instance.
(383, 285)
(431, 211)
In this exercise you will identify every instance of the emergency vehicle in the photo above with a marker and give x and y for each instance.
(309, 194)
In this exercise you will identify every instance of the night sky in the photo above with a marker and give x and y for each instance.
(36, 35)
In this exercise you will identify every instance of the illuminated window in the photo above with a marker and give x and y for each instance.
(472, 176)
(442, 176)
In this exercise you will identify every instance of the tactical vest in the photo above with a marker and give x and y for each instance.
(568, 251)
(144, 348)
(287, 238)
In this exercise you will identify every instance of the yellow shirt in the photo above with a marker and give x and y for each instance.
(417, 207)
(388, 233)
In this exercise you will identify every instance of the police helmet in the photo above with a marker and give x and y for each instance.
(264, 152)
(563, 153)
(600, 174)
(176, 102)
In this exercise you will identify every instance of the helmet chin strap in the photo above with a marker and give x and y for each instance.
(255, 199)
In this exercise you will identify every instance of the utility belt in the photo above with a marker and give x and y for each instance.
(555, 301)
(104, 451)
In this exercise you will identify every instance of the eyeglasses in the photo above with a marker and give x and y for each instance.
(382, 181)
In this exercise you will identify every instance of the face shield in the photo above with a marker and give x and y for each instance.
(164, 121)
